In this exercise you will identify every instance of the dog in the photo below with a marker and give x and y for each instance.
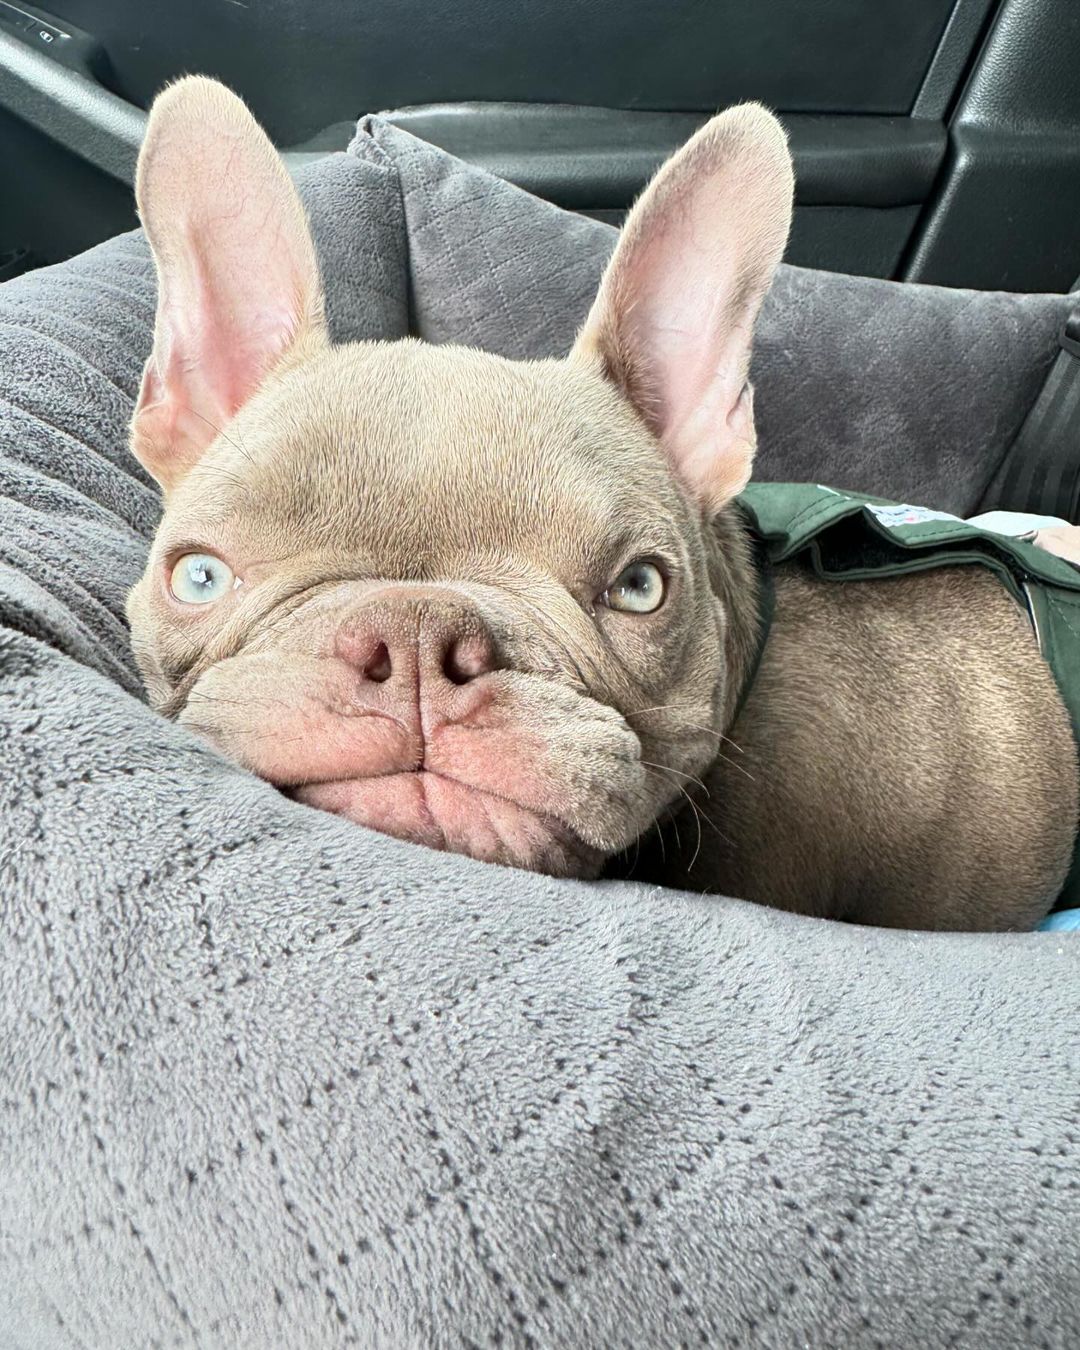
(511, 609)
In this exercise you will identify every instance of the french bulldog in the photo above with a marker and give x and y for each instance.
(510, 608)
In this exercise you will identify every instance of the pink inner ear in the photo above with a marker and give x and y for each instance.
(686, 318)
(215, 345)
(220, 342)
(237, 278)
(673, 322)
(694, 331)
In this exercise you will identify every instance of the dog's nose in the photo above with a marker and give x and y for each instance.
(456, 659)
(416, 648)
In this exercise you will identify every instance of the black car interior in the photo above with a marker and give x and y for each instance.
(934, 140)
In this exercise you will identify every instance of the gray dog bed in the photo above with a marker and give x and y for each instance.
(271, 1080)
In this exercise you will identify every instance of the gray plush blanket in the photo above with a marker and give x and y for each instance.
(267, 1079)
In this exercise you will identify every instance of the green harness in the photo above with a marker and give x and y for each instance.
(846, 536)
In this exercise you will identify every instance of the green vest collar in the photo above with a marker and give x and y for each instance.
(766, 609)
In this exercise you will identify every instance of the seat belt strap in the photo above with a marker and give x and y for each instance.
(1041, 471)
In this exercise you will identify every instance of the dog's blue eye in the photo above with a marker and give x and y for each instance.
(638, 589)
(199, 578)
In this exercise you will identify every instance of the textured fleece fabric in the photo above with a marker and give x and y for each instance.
(268, 1079)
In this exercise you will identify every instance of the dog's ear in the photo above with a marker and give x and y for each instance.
(673, 320)
(238, 281)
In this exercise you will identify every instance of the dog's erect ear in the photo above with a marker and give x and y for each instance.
(674, 317)
(238, 281)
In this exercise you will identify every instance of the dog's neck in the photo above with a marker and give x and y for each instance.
(741, 588)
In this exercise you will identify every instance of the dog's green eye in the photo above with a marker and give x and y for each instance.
(638, 589)
(199, 578)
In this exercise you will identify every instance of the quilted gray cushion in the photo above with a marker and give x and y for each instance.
(912, 392)
(268, 1079)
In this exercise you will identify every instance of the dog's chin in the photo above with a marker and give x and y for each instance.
(430, 808)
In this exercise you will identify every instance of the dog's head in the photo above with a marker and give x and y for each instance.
(482, 604)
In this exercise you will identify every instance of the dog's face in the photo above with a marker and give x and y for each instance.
(466, 601)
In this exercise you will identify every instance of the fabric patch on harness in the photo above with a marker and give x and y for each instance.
(906, 515)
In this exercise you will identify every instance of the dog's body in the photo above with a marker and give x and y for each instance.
(933, 785)
(509, 608)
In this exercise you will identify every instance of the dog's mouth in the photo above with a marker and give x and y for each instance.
(425, 806)
(512, 768)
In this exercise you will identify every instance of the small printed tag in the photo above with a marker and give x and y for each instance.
(907, 515)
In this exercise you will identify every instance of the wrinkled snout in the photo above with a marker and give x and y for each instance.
(404, 708)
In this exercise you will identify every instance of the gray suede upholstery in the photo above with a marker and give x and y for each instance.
(268, 1079)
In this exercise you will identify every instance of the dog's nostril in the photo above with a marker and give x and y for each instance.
(466, 659)
(379, 667)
